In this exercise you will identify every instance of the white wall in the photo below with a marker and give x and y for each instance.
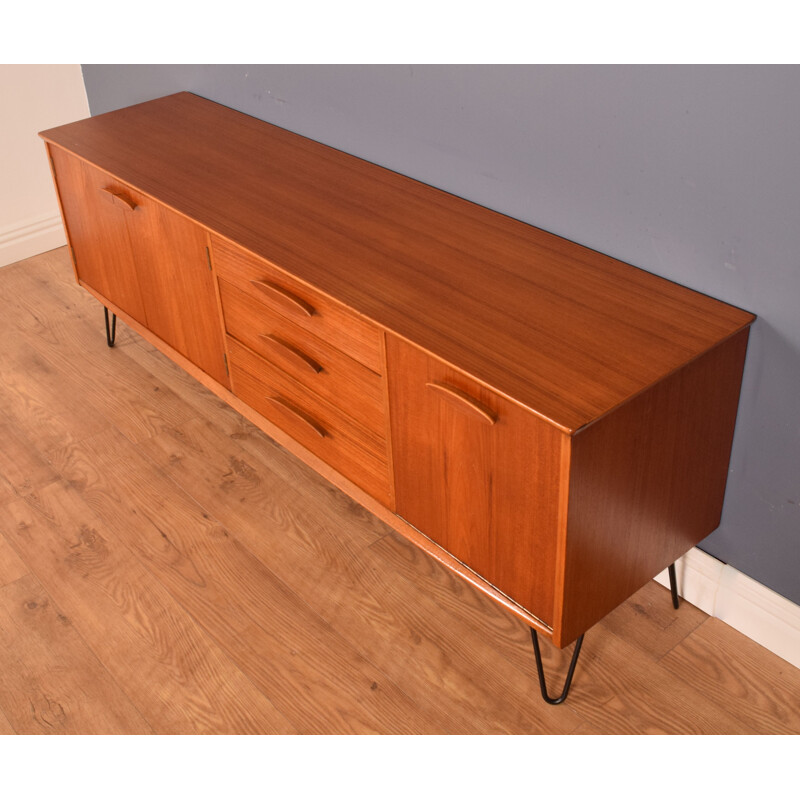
(33, 97)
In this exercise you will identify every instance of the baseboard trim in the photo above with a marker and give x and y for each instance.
(30, 237)
(746, 605)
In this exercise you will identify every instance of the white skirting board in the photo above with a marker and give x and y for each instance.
(30, 237)
(746, 605)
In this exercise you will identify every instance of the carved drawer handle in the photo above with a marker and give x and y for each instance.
(310, 422)
(120, 199)
(270, 288)
(468, 403)
(299, 356)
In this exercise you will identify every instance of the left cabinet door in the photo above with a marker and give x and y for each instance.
(145, 258)
(95, 216)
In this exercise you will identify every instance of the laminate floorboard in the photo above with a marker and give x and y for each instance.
(174, 674)
(165, 567)
(50, 682)
(289, 652)
(624, 693)
(12, 567)
(22, 468)
(649, 622)
(6, 728)
(755, 686)
(126, 396)
(631, 686)
(331, 567)
(37, 404)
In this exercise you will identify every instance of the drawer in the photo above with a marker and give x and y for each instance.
(358, 454)
(326, 371)
(306, 307)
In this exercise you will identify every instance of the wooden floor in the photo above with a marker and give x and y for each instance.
(167, 568)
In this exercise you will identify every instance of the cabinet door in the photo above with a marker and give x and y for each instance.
(96, 212)
(177, 283)
(477, 474)
(145, 258)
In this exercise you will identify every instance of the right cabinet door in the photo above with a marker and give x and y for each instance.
(477, 474)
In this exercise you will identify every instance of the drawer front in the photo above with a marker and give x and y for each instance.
(477, 474)
(306, 307)
(358, 454)
(324, 370)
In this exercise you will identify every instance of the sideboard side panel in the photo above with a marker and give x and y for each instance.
(647, 484)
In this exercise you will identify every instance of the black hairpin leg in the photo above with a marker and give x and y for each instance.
(111, 330)
(554, 701)
(673, 585)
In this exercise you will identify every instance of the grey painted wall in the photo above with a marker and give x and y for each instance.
(691, 172)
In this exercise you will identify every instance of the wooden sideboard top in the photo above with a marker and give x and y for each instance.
(562, 329)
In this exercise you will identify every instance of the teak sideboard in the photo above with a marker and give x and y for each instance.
(551, 424)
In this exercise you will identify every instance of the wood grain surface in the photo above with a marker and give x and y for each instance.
(305, 306)
(98, 231)
(141, 633)
(150, 261)
(758, 689)
(567, 331)
(331, 374)
(22, 469)
(327, 560)
(12, 567)
(5, 726)
(286, 651)
(484, 484)
(647, 483)
(50, 681)
(382, 610)
(356, 450)
(175, 277)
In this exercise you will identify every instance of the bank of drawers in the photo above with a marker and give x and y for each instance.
(309, 309)
(308, 365)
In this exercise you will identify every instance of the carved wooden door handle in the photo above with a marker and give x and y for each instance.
(465, 401)
(296, 353)
(119, 198)
(295, 302)
(299, 414)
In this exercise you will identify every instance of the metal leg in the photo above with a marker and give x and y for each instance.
(554, 701)
(673, 585)
(111, 331)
